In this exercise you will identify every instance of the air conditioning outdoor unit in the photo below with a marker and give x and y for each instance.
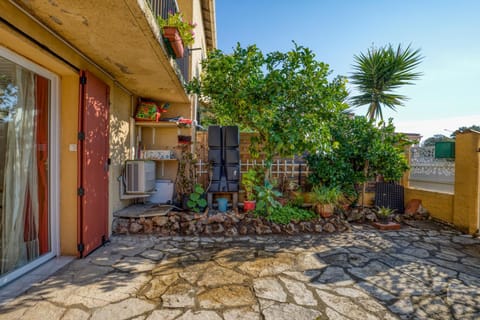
(139, 176)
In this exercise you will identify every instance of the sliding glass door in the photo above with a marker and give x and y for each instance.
(25, 208)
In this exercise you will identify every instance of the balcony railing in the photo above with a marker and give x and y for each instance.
(161, 8)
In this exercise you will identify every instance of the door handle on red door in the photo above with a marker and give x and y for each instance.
(106, 166)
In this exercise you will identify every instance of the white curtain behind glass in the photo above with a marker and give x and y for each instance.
(20, 237)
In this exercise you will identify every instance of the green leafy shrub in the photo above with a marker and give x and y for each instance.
(250, 180)
(196, 201)
(327, 195)
(361, 150)
(266, 199)
(289, 213)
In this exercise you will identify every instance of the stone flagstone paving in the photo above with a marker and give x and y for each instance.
(363, 274)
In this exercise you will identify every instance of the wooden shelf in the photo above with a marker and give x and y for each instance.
(160, 124)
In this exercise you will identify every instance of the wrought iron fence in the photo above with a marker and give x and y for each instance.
(427, 172)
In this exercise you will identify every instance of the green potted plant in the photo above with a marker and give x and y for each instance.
(384, 214)
(250, 179)
(178, 32)
(267, 199)
(326, 198)
(196, 201)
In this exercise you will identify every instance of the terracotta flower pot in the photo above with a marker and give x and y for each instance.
(248, 205)
(324, 210)
(173, 36)
(282, 201)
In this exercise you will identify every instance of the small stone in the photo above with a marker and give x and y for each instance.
(290, 228)
(371, 217)
(43, 310)
(228, 296)
(75, 314)
(179, 296)
(268, 266)
(335, 275)
(290, 311)
(243, 230)
(134, 264)
(412, 206)
(218, 276)
(345, 306)
(329, 227)
(269, 288)
(165, 314)
(262, 229)
(231, 232)
(276, 228)
(218, 228)
(419, 253)
(148, 226)
(135, 227)
(218, 218)
(199, 315)
(318, 228)
(122, 310)
(402, 306)
(241, 314)
(208, 230)
(160, 221)
(299, 292)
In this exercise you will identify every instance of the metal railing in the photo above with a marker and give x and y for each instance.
(161, 8)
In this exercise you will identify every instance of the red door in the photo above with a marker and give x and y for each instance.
(93, 163)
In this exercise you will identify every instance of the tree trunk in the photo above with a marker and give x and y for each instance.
(364, 187)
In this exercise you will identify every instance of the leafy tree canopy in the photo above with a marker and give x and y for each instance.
(358, 141)
(286, 97)
(430, 142)
(465, 128)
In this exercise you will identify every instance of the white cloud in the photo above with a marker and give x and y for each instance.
(428, 128)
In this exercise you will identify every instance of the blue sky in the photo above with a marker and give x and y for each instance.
(447, 32)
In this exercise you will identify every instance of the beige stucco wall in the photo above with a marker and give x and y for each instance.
(120, 148)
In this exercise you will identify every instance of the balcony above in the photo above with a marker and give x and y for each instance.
(122, 37)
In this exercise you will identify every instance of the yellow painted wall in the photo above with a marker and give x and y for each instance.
(440, 205)
(69, 97)
(68, 164)
(466, 205)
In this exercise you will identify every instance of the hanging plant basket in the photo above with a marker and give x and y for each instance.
(172, 35)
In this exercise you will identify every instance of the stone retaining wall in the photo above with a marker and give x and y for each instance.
(229, 224)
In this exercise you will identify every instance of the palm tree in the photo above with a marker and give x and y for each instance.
(379, 73)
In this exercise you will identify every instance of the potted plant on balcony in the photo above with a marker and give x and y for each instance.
(178, 32)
